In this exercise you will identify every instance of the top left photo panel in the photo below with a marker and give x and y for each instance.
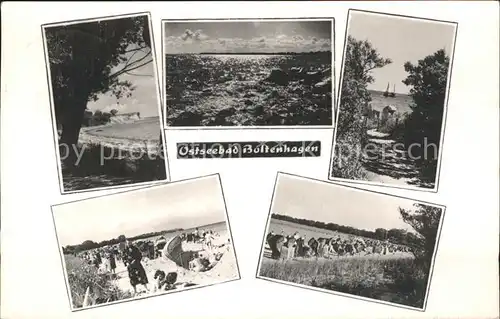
(105, 103)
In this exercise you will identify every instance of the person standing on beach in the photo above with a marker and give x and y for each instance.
(196, 234)
(208, 240)
(112, 261)
(98, 256)
(95, 260)
(136, 272)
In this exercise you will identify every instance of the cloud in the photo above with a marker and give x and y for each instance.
(197, 35)
(197, 41)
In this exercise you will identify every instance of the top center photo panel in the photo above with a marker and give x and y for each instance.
(249, 73)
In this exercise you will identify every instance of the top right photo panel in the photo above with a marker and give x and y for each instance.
(393, 100)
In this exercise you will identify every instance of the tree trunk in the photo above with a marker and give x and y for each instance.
(71, 125)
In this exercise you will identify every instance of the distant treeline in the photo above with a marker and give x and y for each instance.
(255, 53)
(394, 235)
(89, 244)
(98, 117)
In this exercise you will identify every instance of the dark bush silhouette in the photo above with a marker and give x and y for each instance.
(428, 80)
(360, 58)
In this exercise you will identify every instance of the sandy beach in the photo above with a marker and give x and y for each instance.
(224, 269)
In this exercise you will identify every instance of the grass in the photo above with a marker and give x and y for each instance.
(393, 280)
(81, 275)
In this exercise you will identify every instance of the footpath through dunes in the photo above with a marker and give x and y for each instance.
(387, 163)
(214, 90)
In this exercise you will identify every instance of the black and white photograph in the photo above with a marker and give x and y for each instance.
(146, 242)
(393, 100)
(348, 241)
(248, 73)
(105, 102)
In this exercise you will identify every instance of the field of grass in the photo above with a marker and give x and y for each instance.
(229, 90)
(394, 278)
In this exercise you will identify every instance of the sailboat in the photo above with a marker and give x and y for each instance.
(386, 93)
(393, 93)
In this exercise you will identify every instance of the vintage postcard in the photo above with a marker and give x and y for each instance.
(239, 73)
(393, 100)
(146, 242)
(105, 102)
(352, 242)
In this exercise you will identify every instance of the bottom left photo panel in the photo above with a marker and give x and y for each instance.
(147, 242)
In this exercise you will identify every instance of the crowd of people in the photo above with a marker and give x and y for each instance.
(206, 237)
(297, 246)
(105, 260)
(131, 254)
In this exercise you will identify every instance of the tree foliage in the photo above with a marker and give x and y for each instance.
(424, 219)
(428, 81)
(381, 233)
(359, 60)
(87, 59)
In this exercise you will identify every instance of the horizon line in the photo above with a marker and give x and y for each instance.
(159, 231)
(252, 53)
(408, 93)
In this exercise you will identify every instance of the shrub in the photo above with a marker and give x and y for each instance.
(360, 58)
(81, 276)
(347, 158)
(428, 80)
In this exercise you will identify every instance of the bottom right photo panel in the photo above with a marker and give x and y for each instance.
(352, 242)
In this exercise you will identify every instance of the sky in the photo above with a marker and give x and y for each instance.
(144, 98)
(177, 205)
(401, 40)
(247, 37)
(328, 203)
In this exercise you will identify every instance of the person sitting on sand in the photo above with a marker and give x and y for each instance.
(136, 272)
